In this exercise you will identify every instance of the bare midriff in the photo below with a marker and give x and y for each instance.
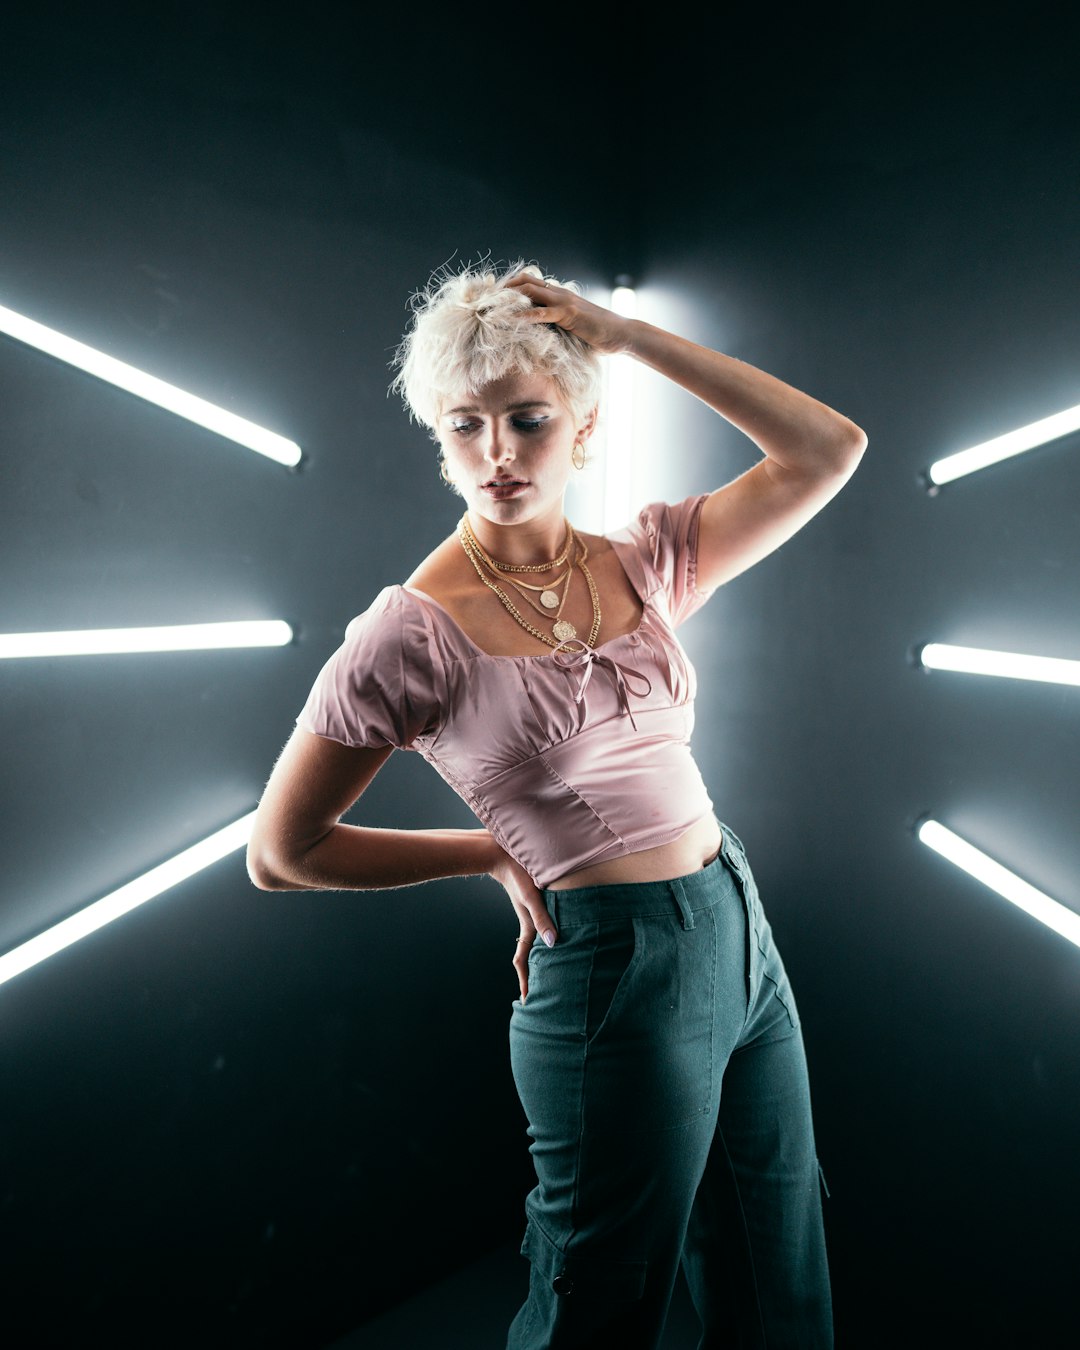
(692, 851)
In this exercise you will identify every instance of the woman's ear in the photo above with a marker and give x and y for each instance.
(588, 426)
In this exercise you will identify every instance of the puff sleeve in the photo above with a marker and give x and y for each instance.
(383, 685)
(666, 537)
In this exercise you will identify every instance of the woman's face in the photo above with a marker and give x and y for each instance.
(508, 448)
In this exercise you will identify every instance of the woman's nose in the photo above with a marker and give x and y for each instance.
(498, 449)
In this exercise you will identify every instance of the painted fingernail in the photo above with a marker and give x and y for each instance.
(549, 937)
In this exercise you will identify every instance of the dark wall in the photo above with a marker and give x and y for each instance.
(246, 1116)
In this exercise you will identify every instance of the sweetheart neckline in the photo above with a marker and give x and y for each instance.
(539, 656)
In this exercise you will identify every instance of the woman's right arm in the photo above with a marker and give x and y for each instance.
(298, 842)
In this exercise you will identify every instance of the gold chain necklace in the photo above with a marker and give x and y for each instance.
(498, 566)
(563, 630)
(549, 594)
(550, 599)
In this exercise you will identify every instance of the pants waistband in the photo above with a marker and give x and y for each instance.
(623, 900)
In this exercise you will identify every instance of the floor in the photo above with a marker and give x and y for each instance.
(472, 1309)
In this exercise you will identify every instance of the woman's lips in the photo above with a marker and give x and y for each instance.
(501, 489)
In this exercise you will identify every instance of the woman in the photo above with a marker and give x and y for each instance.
(536, 667)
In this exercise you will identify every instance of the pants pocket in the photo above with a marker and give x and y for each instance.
(616, 954)
(576, 1300)
(766, 969)
(581, 1277)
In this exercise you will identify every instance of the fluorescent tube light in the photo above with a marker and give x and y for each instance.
(179, 637)
(1048, 911)
(137, 382)
(1001, 447)
(1014, 665)
(129, 897)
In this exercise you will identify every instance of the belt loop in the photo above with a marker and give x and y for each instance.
(678, 892)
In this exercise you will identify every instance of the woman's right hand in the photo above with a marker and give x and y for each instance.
(533, 917)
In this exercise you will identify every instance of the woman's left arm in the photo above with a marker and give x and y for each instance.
(810, 449)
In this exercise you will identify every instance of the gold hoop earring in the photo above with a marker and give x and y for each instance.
(577, 455)
(443, 474)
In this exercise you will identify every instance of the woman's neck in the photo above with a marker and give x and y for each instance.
(531, 542)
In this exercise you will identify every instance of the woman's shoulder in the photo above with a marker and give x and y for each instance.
(597, 544)
(446, 577)
(660, 529)
(662, 539)
(394, 611)
(439, 574)
(663, 517)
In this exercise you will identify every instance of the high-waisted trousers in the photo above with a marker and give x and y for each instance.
(660, 1064)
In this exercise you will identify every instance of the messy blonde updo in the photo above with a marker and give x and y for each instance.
(465, 332)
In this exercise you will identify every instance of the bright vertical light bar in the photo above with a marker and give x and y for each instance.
(1048, 911)
(1001, 447)
(1013, 665)
(619, 447)
(137, 382)
(177, 638)
(129, 897)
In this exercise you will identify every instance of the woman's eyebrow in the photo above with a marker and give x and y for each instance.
(510, 407)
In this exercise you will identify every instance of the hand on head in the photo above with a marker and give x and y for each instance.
(601, 328)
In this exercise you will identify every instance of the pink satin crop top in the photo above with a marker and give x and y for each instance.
(568, 758)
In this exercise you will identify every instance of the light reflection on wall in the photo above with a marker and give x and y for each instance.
(654, 441)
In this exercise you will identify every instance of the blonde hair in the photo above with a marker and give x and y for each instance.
(465, 332)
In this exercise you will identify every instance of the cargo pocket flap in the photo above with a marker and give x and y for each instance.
(579, 1275)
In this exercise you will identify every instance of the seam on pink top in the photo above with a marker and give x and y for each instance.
(692, 549)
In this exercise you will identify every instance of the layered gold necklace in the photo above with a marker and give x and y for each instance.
(551, 601)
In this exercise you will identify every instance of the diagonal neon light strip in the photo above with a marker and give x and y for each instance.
(177, 638)
(1014, 665)
(157, 391)
(120, 902)
(1040, 906)
(1001, 447)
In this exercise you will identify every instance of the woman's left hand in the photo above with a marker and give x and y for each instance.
(600, 328)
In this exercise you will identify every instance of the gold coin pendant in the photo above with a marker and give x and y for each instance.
(549, 599)
(564, 631)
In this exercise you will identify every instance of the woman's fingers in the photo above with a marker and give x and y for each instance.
(532, 913)
(533, 918)
(521, 963)
(599, 327)
(542, 921)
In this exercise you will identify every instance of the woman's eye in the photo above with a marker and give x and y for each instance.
(525, 424)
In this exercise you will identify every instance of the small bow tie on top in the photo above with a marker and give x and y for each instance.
(584, 658)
